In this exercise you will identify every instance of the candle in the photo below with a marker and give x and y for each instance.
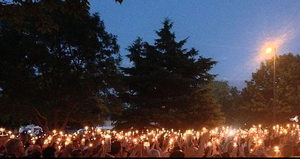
(107, 139)
(82, 141)
(198, 135)
(259, 142)
(235, 144)
(147, 145)
(171, 141)
(135, 141)
(98, 131)
(188, 136)
(276, 150)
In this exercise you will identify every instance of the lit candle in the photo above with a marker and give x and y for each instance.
(188, 136)
(276, 150)
(171, 141)
(259, 142)
(107, 139)
(135, 141)
(98, 131)
(82, 141)
(147, 145)
(198, 135)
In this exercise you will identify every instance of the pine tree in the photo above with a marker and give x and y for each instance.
(166, 85)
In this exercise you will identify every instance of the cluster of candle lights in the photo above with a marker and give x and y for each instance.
(146, 137)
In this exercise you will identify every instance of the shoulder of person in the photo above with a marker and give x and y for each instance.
(109, 156)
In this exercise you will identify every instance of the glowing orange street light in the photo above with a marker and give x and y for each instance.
(268, 51)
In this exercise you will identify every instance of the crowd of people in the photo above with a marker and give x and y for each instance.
(277, 141)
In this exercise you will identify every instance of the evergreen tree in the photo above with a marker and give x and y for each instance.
(166, 85)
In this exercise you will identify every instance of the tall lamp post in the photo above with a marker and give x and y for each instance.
(268, 51)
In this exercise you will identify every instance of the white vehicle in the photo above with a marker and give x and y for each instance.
(31, 129)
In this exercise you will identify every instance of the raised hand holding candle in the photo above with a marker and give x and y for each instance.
(188, 136)
(147, 145)
(98, 131)
(276, 150)
(198, 135)
(107, 139)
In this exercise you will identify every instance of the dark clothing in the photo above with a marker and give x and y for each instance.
(9, 156)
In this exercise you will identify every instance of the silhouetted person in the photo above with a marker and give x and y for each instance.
(14, 149)
(177, 154)
(49, 152)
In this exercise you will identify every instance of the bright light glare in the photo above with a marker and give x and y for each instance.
(268, 50)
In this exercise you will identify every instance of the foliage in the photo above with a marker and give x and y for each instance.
(230, 100)
(21, 13)
(58, 76)
(258, 95)
(166, 85)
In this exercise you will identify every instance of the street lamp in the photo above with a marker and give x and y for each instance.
(268, 51)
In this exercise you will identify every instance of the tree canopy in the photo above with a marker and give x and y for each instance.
(258, 95)
(166, 85)
(230, 100)
(61, 75)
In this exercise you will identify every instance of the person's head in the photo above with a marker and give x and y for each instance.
(243, 140)
(177, 154)
(24, 136)
(154, 153)
(246, 151)
(206, 151)
(287, 151)
(216, 156)
(40, 142)
(15, 147)
(76, 154)
(230, 147)
(49, 152)
(225, 155)
(276, 141)
(295, 151)
(34, 151)
(266, 143)
(115, 148)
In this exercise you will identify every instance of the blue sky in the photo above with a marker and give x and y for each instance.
(232, 32)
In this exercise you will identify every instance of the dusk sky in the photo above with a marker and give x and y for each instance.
(232, 32)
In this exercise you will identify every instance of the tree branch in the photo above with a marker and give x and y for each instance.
(68, 115)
